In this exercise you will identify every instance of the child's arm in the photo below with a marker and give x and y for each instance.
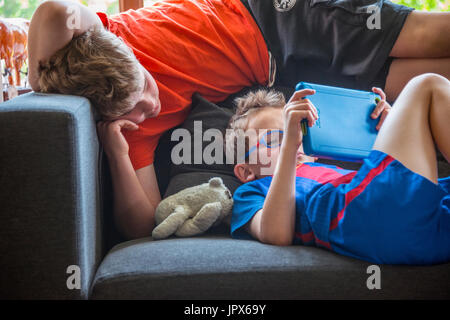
(136, 193)
(52, 27)
(275, 222)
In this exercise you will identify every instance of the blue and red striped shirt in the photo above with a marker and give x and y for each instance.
(249, 198)
(383, 213)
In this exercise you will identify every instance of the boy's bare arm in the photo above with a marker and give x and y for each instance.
(275, 223)
(136, 196)
(136, 193)
(53, 26)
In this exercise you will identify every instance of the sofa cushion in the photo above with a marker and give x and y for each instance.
(203, 116)
(217, 267)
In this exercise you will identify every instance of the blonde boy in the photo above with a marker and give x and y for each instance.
(392, 210)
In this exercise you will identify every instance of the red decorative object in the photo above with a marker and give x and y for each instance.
(13, 45)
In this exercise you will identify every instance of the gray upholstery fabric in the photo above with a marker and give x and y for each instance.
(217, 267)
(49, 195)
(211, 116)
(186, 175)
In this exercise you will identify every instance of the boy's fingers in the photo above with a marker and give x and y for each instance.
(312, 106)
(380, 92)
(299, 115)
(383, 117)
(311, 118)
(382, 105)
(298, 95)
(126, 124)
(378, 108)
(301, 105)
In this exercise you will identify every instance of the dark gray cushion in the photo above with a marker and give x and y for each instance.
(217, 267)
(211, 116)
(185, 175)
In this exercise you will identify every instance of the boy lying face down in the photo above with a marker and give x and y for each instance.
(393, 210)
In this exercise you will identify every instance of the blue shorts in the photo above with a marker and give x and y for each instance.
(385, 213)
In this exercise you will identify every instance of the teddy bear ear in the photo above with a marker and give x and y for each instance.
(215, 182)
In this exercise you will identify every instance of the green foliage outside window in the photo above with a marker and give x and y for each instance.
(426, 5)
(19, 9)
(14, 9)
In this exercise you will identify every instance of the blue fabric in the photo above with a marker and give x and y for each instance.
(384, 213)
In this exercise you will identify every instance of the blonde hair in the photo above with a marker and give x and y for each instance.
(96, 65)
(248, 106)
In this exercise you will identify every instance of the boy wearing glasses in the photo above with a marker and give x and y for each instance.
(393, 210)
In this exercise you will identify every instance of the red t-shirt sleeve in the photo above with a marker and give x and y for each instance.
(142, 151)
(212, 47)
(104, 18)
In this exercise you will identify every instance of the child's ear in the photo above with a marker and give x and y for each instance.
(244, 173)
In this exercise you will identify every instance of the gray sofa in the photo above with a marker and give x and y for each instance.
(55, 212)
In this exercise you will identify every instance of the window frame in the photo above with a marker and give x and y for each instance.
(125, 5)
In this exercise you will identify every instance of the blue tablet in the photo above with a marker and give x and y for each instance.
(344, 130)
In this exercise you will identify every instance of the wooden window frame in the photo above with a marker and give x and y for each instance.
(125, 5)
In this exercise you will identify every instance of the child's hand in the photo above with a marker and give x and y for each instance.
(111, 137)
(294, 112)
(382, 107)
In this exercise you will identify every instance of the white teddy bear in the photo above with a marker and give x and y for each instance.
(193, 210)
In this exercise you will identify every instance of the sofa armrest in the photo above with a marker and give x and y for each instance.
(50, 209)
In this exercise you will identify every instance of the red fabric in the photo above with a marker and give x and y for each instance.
(322, 175)
(343, 179)
(213, 47)
(353, 193)
(305, 237)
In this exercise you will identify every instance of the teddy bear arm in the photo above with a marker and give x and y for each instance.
(171, 223)
(202, 221)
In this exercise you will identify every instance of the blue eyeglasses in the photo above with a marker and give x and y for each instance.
(271, 139)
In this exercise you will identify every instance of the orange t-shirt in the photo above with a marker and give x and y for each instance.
(213, 47)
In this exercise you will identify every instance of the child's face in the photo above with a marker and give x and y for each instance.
(147, 103)
(262, 121)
